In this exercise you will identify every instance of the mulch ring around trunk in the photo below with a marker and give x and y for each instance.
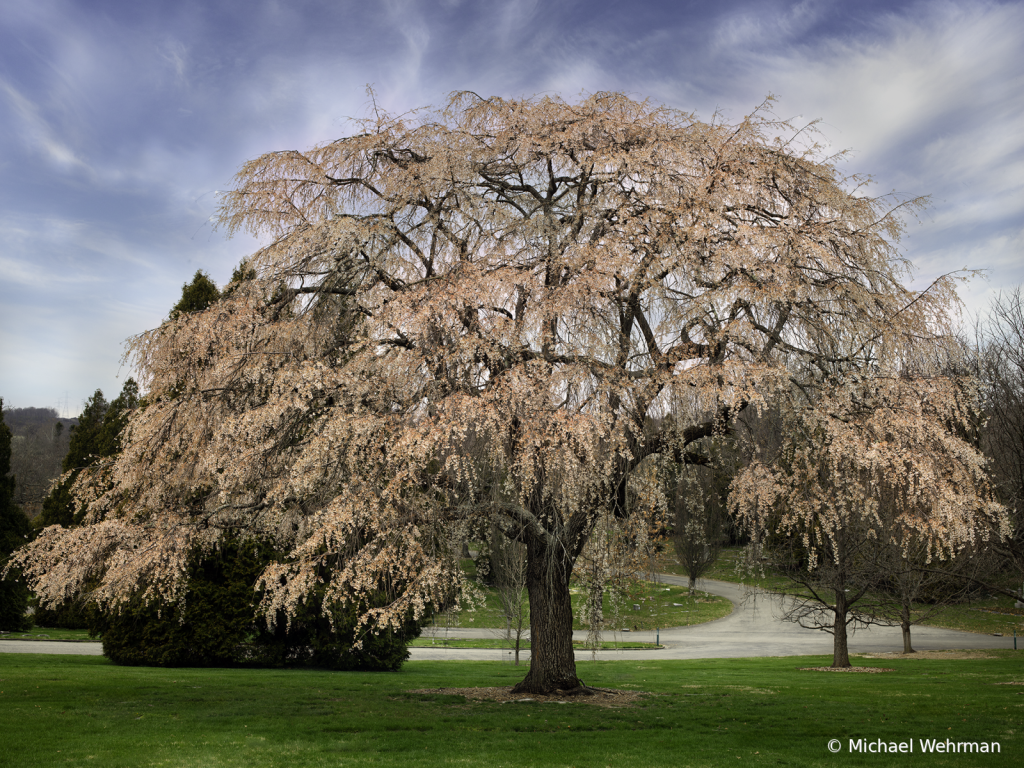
(845, 669)
(601, 697)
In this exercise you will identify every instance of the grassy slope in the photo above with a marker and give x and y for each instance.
(656, 601)
(42, 633)
(499, 642)
(64, 710)
(988, 615)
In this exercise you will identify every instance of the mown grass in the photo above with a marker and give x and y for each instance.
(990, 615)
(42, 633)
(987, 615)
(660, 605)
(501, 643)
(73, 711)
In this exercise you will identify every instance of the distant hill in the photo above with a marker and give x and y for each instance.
(39, 444)
(22, 421)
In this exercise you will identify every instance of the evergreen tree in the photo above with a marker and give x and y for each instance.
(243, 272)
(217, 625)
(197, 295)
(96, 436)
(209, 628)
(85, 435)
(108, 439)
(14, 531)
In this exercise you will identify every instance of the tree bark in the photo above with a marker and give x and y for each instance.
(552, 662)
(905, 625)
(840, 647)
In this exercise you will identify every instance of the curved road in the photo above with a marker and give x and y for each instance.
(752, 629)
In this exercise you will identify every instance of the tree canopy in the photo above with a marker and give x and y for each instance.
(506, 312)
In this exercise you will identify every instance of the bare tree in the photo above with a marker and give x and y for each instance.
(838, 592)
(699, 517)
(914, 589)
(509, 573)
(1000, 356)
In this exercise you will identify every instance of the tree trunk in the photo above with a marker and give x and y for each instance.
(905, 624)
(693, 584)
(552, 663)
(840, 647)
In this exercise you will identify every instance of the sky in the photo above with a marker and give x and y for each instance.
(121, 123)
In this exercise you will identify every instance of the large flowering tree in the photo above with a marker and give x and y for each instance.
(499, 312)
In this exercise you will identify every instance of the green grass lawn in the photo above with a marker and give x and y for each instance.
(75, 711)
(990, 615)
(500, 643)
(660, 605)
(41, 633)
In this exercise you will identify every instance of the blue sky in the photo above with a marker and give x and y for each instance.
(120, 121)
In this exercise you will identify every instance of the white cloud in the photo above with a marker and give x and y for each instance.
(176, 55)
(62, 250)
(37, 132)
(766, 25)
(919, 72)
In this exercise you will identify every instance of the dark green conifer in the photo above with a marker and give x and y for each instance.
(14, 531)
(197, 295)
(96, 436)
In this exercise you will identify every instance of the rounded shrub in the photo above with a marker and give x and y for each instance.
(216, 625)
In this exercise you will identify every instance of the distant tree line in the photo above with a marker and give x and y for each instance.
(14, 532)
(39, 442)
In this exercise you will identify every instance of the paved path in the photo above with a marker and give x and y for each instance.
(51, 646)
(753, 629)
